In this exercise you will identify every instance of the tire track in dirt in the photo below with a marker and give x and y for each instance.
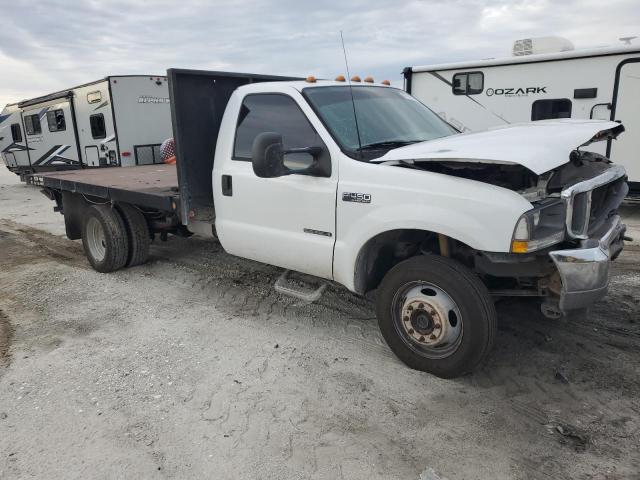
(6, 336)
(36, 245)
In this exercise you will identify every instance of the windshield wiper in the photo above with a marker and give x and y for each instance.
(387, 144)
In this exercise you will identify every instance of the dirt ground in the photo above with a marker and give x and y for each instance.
(193, 367)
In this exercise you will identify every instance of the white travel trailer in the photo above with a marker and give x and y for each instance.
(115, 121)
(13, 147)
(602, 83)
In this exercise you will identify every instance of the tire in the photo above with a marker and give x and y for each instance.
(137, 233)
(436, 315)
(104, 238)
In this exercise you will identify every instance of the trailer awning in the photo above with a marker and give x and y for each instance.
(45, 98)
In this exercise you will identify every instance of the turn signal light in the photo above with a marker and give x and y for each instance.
(519, 246)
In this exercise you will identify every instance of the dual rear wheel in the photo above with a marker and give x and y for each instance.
(115, 237)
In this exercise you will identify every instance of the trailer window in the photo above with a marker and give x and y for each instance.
(94, 97)
(32, 125)
(98, 128)
(468, 83)
(16, 133)
(556, 108)
(272, 113)
(55, 121)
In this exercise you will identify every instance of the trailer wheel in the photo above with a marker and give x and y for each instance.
(436, 315)
(104, 238)
(137, 234)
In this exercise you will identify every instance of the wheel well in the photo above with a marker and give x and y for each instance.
(385, 250)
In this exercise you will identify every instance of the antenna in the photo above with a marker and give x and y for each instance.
(353, 102)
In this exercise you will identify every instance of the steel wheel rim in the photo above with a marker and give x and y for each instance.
(427, 319)
(96, 240)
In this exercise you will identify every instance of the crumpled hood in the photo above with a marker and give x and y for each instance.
(539, 146)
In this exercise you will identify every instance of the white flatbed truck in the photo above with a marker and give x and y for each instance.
(437, 223)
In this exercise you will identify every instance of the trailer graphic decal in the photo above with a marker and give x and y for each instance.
(103, 104)
(4, 117)
(150, 99)
(515, 92)
(43, 112)
(16, 147)
(54, 156)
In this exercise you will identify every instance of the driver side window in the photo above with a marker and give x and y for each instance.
(273, 112)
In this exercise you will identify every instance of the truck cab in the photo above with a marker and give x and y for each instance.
(350, 200)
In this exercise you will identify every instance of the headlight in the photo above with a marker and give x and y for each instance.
(540, 227)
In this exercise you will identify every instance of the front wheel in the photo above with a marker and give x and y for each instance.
(436, 315)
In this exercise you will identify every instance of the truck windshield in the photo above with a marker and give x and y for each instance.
(387, 118)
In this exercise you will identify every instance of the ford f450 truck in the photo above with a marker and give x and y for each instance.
(363, 185)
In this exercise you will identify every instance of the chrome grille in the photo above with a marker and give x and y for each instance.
(590, 203)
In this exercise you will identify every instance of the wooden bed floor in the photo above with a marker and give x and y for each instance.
(160, 178)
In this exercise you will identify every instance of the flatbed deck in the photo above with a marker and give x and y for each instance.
(152, 186)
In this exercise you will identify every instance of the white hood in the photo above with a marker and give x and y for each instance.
(539, 146)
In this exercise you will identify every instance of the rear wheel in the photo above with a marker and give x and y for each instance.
(104, 238)
(436, 315)
(137, 233)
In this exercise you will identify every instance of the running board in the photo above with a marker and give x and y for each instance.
(286, 286)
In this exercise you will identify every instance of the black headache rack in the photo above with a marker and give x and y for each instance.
(198, 101)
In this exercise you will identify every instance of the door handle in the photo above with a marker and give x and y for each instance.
(227, 186)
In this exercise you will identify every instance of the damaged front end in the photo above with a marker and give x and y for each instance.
(562, 248)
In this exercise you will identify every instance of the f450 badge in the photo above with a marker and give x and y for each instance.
(356, 197)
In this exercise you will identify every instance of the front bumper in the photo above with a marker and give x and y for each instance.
(584, 271)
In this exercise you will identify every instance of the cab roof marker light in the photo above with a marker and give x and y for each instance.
(386, 82)
(355, 78)
(340, 78)
(368, 79)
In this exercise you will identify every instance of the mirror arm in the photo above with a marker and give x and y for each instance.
(313, 151)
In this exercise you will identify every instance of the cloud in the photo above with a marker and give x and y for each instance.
(46, 46)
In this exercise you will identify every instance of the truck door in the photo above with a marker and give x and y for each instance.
(287, 221)
(626, 108)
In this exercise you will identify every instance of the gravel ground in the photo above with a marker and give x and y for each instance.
(191, 366)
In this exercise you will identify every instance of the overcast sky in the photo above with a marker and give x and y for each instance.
(52, 45)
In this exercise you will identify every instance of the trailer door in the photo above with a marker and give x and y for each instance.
(626, 149)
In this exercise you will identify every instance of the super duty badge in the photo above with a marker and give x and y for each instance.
(356, 197)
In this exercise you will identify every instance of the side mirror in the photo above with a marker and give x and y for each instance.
(267, 155)
(267, 158)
